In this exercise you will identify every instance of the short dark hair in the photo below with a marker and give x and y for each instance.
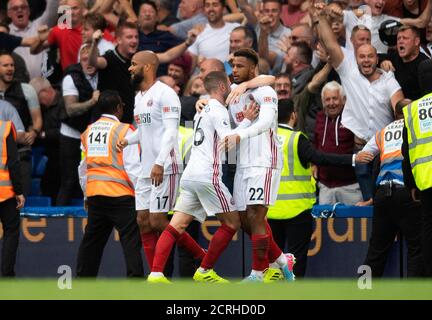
(96, 21)
(248, 33)
(247, 53)
(304, 51)
(267, 1)
(150, 3)
(222, 2)
(414, 29)
(4, 52)
(283, 75)
(400, 105)
(285, 110)
(4, 24)
(108, 101)
(212, 80)
(125, 25)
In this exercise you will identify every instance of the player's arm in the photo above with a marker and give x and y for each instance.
(82, 172)
(259, 81)
(131, 160)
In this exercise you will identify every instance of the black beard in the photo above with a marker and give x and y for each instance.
(282, 92)
(136, 80)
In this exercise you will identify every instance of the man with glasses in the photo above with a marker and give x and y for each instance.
(19, 12)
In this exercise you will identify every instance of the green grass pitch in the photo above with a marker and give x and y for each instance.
(188, 290)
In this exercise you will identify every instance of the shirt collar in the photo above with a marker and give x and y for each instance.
(285, 126)
(14, 28)
(111, 116)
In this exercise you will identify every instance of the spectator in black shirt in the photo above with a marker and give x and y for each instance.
(405, 62)
(152, 39)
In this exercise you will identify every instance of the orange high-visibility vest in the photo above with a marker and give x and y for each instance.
(389, 141)
(6, 188)
(106, 175)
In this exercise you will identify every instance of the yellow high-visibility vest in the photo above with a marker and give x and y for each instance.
(418, 121)
(185, 142)
(297, 187)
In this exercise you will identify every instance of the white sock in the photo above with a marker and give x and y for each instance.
(281, 260)
(258, 274)
(157, 274)
(202, 270)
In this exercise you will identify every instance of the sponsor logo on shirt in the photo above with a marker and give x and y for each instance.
(170, 109)
(143, 118)
(270, 100)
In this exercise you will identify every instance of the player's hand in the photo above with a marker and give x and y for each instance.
(387, 66)
(364, 157)
(228, 143)
(314, 169)
(121, 145)
(97, 35)
(251, 111)
(235, 93)
(200, 104)
(20, 201)
(156, 175)
(414, 195)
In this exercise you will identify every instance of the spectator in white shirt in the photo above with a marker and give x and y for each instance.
(374, 17)
(371, 93)
(213, 42)
(19, 12)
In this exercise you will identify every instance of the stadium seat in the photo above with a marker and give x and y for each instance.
(37, 155)
(38, 202)
(77, 202)
(35, 187)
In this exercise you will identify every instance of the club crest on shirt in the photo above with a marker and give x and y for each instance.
(225, 123)
(150, 103)
(239, 116)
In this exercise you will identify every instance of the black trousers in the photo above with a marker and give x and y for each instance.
(104, 213)
(10, 219)
(25, 158)
(293, 236)
(395, 211)
(426, 201)
(70, 157)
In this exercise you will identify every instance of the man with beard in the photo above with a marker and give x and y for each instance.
(298, 65)
(259, 163)
(157, 114)
(202, 190)
(371, 95)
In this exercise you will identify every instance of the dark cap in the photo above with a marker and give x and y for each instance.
(388, 31)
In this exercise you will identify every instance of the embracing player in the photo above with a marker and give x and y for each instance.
(202, 191)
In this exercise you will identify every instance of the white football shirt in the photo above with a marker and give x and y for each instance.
(152, 109)
(210, 127)
(265, 149)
